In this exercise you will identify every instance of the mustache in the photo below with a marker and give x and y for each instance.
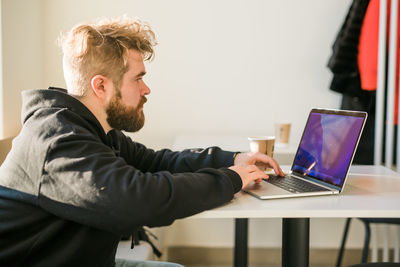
(142, 101)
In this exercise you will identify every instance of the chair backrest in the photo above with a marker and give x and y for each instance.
(5, 146)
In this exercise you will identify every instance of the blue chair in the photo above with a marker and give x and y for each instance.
(367, 222)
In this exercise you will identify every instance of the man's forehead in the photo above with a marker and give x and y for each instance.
(135, 55)
(136, 64)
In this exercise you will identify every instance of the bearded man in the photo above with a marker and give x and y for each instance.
(73, 184)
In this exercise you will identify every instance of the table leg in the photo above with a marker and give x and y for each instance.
(295, 242)
(241, 249)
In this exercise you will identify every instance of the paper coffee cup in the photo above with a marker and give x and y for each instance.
(282, 133)
(262, 144)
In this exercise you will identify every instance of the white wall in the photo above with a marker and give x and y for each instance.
(229, 67)
(22, 57)
(221, 67)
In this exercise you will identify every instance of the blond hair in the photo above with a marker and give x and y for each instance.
(102, 48)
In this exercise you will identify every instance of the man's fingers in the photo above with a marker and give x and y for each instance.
(276, 167)
(252, 168)
(270, 162)
(257, 174)
(249, 173)
(278, 170)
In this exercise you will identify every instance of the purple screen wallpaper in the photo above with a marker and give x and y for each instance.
(327, 146)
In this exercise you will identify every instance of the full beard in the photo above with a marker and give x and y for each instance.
(124, 118)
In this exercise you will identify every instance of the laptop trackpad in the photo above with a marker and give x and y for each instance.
(265, 189)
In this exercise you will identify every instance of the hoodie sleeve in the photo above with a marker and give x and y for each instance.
(84, 181)
(189, 160)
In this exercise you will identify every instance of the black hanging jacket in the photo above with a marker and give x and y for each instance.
(343, 62)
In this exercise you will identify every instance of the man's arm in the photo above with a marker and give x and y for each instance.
(189, 160)
(84, 181)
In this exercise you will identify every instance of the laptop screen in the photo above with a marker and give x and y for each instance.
(327, 145)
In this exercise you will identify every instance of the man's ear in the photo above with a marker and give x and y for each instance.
(101, 87)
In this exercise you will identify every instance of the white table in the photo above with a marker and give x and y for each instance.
(370, 191)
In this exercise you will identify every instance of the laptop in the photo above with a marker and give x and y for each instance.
(323, 157)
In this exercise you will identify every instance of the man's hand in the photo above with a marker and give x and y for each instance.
(253, 158)
(249, 173)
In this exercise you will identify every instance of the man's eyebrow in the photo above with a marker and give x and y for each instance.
(141, 74)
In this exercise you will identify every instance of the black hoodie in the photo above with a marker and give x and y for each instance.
(69, 191)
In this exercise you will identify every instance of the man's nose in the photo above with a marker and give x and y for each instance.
(145, 89)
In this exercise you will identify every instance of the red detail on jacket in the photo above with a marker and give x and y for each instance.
(368, 50)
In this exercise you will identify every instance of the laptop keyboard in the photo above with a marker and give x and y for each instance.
(294, 185)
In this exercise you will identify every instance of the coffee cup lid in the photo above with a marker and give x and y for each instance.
(260, 138)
